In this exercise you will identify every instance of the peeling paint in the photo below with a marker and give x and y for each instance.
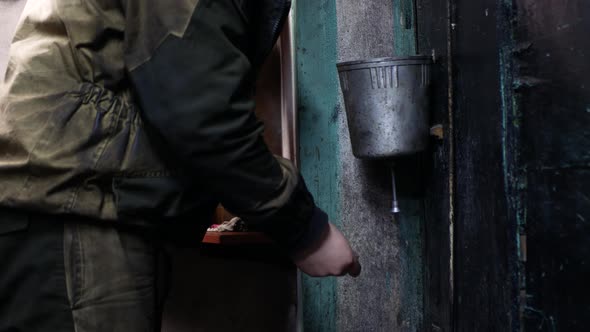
(521, 48)
(405, 32)
(515, 176)
(522, 82)
(544, 321)
(553, 139)
(318, 98)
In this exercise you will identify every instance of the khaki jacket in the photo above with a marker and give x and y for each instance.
(140, 111)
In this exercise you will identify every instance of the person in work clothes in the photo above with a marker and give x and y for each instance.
(122, 124)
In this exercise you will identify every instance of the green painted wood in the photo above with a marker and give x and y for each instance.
(404, 22)
(316, 39)
(410, 190)
(411, 230)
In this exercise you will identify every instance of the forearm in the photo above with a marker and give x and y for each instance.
(196, 100)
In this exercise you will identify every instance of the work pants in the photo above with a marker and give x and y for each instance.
(66, 274)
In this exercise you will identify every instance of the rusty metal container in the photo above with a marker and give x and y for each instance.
(386, 102)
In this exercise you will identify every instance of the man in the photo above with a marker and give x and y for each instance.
(122, 123)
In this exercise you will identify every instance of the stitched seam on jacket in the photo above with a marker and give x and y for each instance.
(77, 260)
(139, 63)
(87, 98)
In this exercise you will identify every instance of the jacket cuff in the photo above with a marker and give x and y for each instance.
(312, 235)
(299, 223)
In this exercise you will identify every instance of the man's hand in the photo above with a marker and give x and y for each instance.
(332, 256)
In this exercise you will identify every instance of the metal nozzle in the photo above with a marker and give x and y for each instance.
(394, 205)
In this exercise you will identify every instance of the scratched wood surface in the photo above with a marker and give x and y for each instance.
(552, 96)
(520, 100)
(485, 261)
(317, 86)
(432, 31)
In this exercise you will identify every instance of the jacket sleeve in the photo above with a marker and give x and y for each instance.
(194, 84)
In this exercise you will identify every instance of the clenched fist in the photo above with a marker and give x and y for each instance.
(332, 256)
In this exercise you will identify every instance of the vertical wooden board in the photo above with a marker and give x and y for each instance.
(317, 85)
(558, 264)
(553, 82)
(411, 190)
(404, 22)
(485, 289)
(552, 88)
(433, 39)
(410, 173)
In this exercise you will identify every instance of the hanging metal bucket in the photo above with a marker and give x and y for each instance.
(386, 102)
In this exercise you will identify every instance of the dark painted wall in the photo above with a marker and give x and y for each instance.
(518, 164)
(551, 90)
(485, 238)
(433, 38)
(470, 240)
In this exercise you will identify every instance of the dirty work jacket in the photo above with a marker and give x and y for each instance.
(134, 111)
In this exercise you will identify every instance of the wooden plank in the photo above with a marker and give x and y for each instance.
(404, 22)
(433, 38)
(557, 269)
(485, 254)
(552, 96)
(410, 185)
(317, 85)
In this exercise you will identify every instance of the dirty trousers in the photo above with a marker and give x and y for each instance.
(61, 274)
